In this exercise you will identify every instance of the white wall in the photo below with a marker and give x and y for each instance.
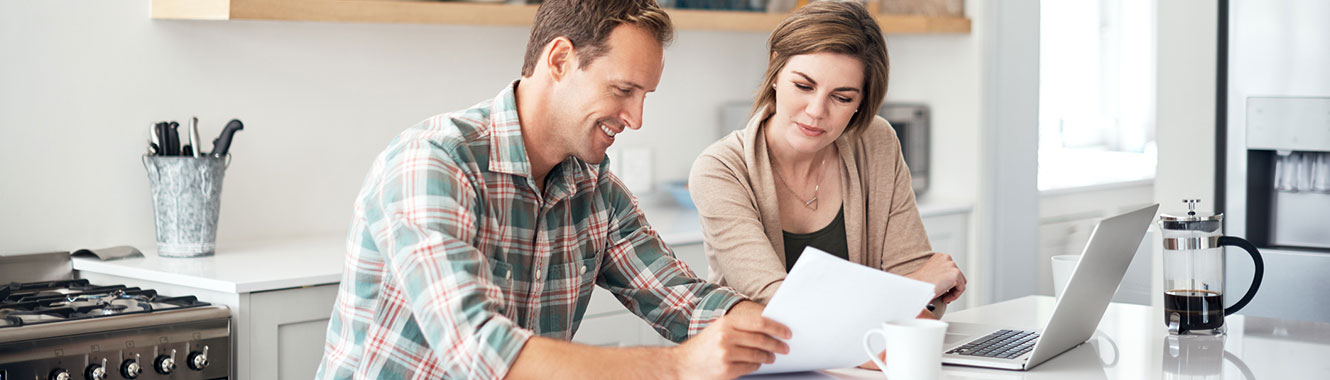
(1008, 206)
(1187, 56)
(943, 71)
(80, 81)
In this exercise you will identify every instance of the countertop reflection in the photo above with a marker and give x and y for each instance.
(1132, 342)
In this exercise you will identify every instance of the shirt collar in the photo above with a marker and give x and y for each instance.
(507, 151)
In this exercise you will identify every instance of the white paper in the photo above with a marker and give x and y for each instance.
(829, 303)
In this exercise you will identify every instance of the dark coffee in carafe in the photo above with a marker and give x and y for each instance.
(1194, 271)
(1194, 309)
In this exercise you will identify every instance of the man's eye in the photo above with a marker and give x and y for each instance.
(623, 91)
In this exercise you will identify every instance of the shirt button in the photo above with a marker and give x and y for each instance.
(582, 271)
(508, 276)
(537, 274)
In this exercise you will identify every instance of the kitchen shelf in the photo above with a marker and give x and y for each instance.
(433, 12)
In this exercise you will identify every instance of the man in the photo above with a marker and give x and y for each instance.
(479, 234)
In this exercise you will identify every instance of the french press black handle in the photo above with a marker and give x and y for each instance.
(1255, 280)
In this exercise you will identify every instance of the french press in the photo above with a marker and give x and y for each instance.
(1194, 271)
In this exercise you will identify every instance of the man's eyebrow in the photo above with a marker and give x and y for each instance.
(633, 85)
(810, 80)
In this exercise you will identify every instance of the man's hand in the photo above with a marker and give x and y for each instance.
(948, 281)
(733, 345)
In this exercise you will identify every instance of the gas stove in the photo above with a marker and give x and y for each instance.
(71, 329)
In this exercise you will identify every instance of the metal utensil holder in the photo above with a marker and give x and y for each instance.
(186, 200)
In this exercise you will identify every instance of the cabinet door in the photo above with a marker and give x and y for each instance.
(608, 323)
(287, 331)
(949, 234)
(620, 329)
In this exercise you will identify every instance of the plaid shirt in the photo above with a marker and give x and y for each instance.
(454, 259)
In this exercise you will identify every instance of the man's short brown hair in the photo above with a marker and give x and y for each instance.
(588, 23)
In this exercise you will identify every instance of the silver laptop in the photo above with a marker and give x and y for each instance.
(1110, 250)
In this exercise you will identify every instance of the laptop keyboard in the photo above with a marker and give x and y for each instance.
(1003, 344)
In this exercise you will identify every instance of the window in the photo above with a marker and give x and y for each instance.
(1096, 92)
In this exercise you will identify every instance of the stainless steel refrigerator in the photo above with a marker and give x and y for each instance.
(1274, 154)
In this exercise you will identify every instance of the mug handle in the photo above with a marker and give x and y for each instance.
(873, 355)
(1256, 279)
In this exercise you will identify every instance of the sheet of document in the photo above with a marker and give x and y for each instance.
(829, 303)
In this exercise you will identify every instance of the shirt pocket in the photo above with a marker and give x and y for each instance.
(579, 277)
(502, 275)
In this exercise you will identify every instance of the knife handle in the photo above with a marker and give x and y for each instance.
(163, 139)
(194, 138)
(222, 144)
(173, 139)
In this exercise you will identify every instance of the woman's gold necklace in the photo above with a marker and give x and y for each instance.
(811, 204)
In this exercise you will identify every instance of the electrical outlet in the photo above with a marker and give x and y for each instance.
(635, 169)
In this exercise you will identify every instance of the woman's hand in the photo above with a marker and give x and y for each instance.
(947, 279)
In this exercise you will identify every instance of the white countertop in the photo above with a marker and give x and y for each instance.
(1132, 343)
(252, 266)
(242, 267)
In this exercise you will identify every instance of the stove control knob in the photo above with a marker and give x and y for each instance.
(165, 364)
(199, 360)
(131, 368)
(60, 374)
(95, 371)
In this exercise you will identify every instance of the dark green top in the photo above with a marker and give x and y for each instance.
(830, 238)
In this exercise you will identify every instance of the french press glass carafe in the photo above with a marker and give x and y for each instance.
(1194, 271)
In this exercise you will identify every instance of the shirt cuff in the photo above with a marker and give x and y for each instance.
(716, 303)
(504, 342)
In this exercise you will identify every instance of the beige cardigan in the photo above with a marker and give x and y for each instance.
(732, 185)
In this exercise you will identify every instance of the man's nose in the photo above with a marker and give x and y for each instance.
(632, 116)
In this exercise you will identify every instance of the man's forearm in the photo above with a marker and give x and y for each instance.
(546, 358)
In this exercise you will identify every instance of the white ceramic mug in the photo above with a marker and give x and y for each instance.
(914, 348)
(1063, 266)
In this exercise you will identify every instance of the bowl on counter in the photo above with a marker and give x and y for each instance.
(679, 191)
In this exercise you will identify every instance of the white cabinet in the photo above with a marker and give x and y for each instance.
(617, 329)
(287, 330)
(949, 233)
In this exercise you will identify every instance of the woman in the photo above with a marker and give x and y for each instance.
(816, 166)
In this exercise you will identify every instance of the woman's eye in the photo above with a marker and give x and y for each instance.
(802, 86)
(843, 99)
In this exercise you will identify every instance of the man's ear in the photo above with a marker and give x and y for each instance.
(560, 58)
